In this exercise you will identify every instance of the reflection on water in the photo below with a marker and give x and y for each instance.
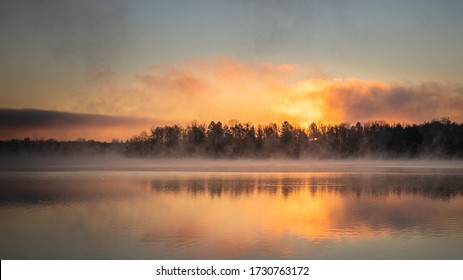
(181, 215)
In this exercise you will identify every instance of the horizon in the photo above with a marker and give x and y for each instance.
(35, 124)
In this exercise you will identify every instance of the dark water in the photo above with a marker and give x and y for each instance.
(231, 215)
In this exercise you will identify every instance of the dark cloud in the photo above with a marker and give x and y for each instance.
(64, 125)
(353, 100)
(397, 102)
(25, 118)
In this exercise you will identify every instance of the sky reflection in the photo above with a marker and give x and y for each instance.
(146, 215)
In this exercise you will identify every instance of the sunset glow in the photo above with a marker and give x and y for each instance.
(164, 63)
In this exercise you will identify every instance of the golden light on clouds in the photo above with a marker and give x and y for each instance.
(226, 89)
(223, 60)
(215, 90)
(326, 99)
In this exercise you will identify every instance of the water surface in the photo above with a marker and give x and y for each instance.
(104, 214)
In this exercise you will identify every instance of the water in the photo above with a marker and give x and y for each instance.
(103, 214)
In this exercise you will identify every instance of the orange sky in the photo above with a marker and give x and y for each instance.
(262, 93)
(227, 89)
(260, 61)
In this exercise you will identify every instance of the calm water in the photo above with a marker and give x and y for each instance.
(231, 215)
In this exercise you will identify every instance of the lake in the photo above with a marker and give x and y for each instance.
(263, 210)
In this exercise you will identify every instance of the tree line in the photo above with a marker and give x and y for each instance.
(378, 139)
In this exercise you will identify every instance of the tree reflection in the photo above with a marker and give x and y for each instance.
(442, 186)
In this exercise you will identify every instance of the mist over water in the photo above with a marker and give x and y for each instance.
(242, 209)
(118, 162)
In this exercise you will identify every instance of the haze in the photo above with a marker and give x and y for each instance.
(142, 63)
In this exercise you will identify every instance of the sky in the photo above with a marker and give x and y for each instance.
(109, 69)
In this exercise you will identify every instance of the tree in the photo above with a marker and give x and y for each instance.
(215, 139)
(195, 138)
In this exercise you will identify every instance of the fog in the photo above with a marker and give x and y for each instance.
(121, 163)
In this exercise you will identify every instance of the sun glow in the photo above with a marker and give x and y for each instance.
(327, 100)
(228, 89)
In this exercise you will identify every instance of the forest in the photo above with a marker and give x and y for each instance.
(375, 139)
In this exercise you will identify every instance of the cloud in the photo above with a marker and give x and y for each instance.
(20, 123)
(274, 27)
(221, 89)
(86, 31)
(339, 100)
(226, 88)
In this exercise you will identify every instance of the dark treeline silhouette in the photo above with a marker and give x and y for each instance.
(441, 138)
(376, 139)
(51, 147)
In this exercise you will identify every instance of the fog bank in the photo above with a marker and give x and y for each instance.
(119, 163)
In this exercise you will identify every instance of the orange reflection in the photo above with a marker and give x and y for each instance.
(225, 215)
